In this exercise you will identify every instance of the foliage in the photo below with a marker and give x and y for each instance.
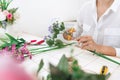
(66, 71)
(11, 40)
(55, 29)
(41, 64)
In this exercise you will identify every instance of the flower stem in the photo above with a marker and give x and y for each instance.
(35, 51)
(105, 57)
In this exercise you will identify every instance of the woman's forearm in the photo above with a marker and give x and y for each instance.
(107, 50)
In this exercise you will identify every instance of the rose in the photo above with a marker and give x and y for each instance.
(2, 16)
(9, 16)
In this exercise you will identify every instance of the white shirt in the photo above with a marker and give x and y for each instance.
(106, 30)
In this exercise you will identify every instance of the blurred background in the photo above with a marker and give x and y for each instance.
(37, 15)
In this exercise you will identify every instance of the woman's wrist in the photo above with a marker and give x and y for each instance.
(107, 50)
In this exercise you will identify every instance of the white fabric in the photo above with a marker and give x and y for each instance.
(106, 30)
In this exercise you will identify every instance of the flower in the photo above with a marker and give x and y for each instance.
(2, 17)
(17, 48)
(5, 12)
(7, 16)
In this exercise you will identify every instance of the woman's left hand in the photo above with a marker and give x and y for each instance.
(87, 43)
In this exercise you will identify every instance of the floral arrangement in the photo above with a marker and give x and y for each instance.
(7, 16)
(16, 48)
(66, 70)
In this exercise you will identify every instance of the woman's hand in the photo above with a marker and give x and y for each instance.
(88, 43)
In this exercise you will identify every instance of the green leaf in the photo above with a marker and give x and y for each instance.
(49, 77)
(13, 10)
(41, 64)
(62, 26)
(12, 39)
(57, 74)
(54, 35)
(8, 4)
(5, 43)
(59, 43)
(63, 64)
(50, 42)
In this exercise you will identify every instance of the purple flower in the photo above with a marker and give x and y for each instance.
(50, 29)
(4, 24)
(45, 37)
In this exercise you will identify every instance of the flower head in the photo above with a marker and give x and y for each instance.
(5, 12)
(50, 29)
(9, 16)
(24, 51)
(2, 16)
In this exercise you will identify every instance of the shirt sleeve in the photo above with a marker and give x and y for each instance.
(117, 52)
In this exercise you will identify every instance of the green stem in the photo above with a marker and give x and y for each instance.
(39, 48)
(54, 48)
(105, 57)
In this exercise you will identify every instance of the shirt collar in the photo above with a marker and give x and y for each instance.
(114, 7)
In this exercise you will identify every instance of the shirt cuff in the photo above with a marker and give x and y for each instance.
(117, 52)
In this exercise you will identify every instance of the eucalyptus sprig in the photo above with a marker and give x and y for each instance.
(55, 29)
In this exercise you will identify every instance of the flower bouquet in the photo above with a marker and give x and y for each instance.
(17, 48)
(7, 16)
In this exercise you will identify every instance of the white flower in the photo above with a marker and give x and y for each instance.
(2, 16)
(16, 15)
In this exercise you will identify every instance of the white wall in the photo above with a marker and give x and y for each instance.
(37, 15)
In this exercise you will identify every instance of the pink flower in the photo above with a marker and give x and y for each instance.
(9, 16)
(23, 50)
(10, 70)
(13, 49)
(5, 12)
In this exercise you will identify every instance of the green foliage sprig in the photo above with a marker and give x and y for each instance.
(55, 29)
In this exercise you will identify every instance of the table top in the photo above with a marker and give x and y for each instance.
(87, 61)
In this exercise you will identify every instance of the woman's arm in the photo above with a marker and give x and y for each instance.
(88, 43)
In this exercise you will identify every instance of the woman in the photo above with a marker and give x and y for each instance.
(99, 21)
